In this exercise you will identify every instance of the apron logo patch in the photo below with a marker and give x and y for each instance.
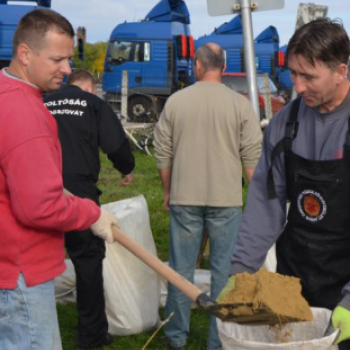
(311, 206)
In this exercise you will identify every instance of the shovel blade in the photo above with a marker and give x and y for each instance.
(241, 312)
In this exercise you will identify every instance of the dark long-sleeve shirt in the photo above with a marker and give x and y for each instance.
(85, 123)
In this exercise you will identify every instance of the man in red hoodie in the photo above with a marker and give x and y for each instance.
(34, 209)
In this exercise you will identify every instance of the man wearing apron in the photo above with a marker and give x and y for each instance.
(306, 160)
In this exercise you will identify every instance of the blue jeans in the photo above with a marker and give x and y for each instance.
(187, 225)
(28, 317)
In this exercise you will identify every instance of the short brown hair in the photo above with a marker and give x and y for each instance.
(33, 27)
(321, 40)
(80, 75)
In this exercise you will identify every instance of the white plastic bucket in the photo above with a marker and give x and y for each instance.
(299, 335)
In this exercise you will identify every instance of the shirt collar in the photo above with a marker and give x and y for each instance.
(12, 76)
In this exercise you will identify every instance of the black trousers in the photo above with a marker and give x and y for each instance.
(345, 345)
(87, 253)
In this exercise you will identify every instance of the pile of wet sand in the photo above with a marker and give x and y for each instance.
(279, 296)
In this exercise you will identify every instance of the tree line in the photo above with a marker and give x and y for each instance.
(94, 57)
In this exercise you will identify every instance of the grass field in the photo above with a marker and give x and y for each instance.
(148, 184)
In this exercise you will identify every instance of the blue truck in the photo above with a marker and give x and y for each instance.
(284, 80)
(269, 58)
(10, 15)
(157, 54)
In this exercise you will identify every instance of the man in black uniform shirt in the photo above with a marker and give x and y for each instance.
(85, 124)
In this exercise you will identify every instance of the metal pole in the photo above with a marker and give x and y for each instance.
(307, 13)
(266, 117)
(249, 55)
(267, 96)
(124, 102)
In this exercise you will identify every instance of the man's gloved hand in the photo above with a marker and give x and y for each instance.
(103, 226)
(341, 320)
(230, 285)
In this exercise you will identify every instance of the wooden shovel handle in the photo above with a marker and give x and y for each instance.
(186, 287)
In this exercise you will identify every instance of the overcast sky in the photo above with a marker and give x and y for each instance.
(100, 17)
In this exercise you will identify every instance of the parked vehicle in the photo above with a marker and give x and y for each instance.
(284, 81)
(10, 15)
(269, 57)
(239, 83)
(157, 54)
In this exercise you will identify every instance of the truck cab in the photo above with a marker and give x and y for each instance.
(157, 55)
(10, 15)
(230, 37)
(285, 83)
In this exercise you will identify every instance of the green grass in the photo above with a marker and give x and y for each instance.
(199, 324)
(148, 184)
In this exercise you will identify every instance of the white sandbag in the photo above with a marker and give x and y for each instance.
(65, 285)
(201, 280)
(271, 260)
(132, 289)
(298, 336)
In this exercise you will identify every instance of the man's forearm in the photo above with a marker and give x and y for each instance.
(249, 173)
(165, 178)
(123, 160)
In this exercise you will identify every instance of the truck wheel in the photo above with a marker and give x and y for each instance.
(140, 110)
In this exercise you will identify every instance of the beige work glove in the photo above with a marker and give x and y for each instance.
(67, 193)
(103, 226)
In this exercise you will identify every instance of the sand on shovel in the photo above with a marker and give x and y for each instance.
(279, 295)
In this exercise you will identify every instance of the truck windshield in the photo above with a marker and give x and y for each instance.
(236, 83)
(240, 84)
(121, 51)
(272, 86)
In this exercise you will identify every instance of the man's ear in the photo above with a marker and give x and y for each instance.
(85, 86)
(342, 72)
(91, 88)
(23, 53)
(223, 68)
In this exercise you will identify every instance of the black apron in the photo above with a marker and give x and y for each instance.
(315, 244)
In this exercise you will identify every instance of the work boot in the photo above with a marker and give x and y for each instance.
(107, 341)
(165, 339)
(176, 347)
